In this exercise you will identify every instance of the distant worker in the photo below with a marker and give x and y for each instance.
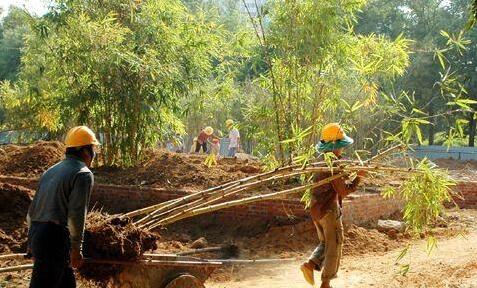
(56, 217)
(194, 145)
(178, 142)
(234, 136)
(325, 211)
(204, 135)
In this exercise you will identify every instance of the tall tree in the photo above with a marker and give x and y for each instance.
(118, 66)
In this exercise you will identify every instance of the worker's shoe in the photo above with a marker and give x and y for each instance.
(307, 270)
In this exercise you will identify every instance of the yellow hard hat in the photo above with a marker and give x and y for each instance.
(333, 137)
(80, 136)
(229, 122)
(332, 132)
(209, 130)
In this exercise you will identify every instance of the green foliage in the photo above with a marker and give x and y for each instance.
(315, 61)
(13, 28)
(120, 68)
(424, 194)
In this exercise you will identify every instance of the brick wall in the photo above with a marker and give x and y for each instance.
(357, 208)
(467, 194)
(116, 199)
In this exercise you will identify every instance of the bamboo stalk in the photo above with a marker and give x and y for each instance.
(155, 209)
(246, 200)
(203, 202)
(12, 256)
(208, 201)
(159, 210)
(147, 209)
(16, 268)
(164, 206)
(384, 153)
(184, 200)
(252, 261)
(201, 250)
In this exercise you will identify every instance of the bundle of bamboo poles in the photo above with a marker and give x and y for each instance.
(233, 193)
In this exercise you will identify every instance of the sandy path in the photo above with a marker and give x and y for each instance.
(452, 264)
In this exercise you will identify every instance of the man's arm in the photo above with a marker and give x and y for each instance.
(78, 207)
(343, 189)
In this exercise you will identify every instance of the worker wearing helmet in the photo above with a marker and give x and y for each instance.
(234, 136)
(204, 136)
(325, 210)
(56, 216)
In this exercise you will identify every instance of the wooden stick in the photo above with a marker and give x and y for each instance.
(164, 206)
(12, 256)
(247, 200)
(252, 261)
(210, 200)
(16, 268)
(385, 153)
(147, 209)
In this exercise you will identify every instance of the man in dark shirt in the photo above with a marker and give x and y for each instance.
(56, 216)
(325, 211)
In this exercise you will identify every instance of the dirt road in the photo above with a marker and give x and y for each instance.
(453, 264)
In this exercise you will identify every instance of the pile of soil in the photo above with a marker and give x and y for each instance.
(108, 237)
(159, 168)
(178, 170)
(294, 240)
(14, 203)
(31, 160)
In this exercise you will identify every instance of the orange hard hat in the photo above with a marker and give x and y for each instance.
(332, 132)
(80, 136)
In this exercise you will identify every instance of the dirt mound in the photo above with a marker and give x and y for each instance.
(31, 160)
(14, 203)
(359, 240)
(177, 170)
(109, 237)
(293, 240)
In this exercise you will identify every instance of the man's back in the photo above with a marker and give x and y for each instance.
(50, 203)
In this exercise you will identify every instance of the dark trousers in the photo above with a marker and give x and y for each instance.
(50, 247)
(203, 146)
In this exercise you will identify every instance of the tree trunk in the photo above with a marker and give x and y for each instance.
(472, 130)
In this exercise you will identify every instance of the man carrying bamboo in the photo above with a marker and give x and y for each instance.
(325, 211)
(56, 216)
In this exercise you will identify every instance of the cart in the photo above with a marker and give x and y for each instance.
(166, 271)
(158, 270)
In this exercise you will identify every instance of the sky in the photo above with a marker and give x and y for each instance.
(38, 7)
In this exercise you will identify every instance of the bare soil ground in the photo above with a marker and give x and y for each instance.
(159, 168)
(452, 264)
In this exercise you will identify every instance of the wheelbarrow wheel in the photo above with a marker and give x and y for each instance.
(185, 281)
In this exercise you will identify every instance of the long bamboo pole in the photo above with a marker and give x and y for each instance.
(217, 196)
(158, 208)
(247, 200)
(16, 268)
(191, 206)
(12, 256)
(165, 206)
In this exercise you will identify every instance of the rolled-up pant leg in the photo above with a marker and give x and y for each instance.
(333, 234)
(50, 248)
(318, 255)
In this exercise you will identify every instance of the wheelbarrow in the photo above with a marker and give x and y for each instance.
(160, 270)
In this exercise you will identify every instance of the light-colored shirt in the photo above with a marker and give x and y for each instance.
(234, 136)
